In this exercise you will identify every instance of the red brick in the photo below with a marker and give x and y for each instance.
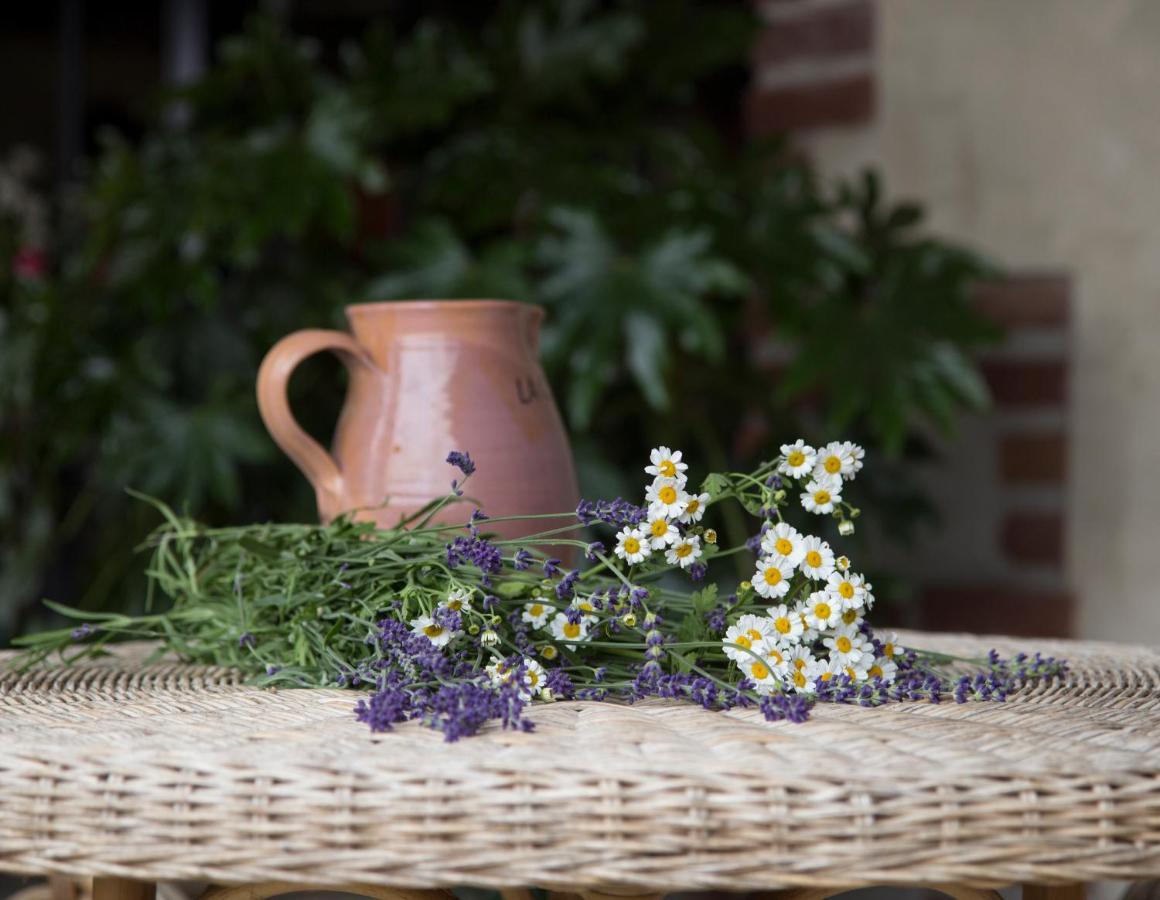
(825, 32)
(1026, 301)
(1027, 382)
(997, 609)
(1033, 537)
(1033, 458)
(847, 100)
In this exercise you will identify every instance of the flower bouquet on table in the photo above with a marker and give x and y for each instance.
(452, 626)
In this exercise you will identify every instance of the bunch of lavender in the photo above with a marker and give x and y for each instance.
(453, 626)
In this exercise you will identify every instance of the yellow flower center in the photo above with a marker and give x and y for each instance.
(850, 671)
(754, 634)
(842, 562)
(776, 654)
(572, 629)
(850, 616)
(782, 624)
(846, 590)
(876, 671)
(799, 664)
(823, 611)
(843, 644)
(693, 506)
(537, 609)
(813, 559)
(667, 494)
(826, 676)
(821, 497)
(742, 641)
(667, 468)
(660, 528)
(549, 652)
(784, 546)
(455, 605)
(631, 545)
(432, 631)
(772, 576)
(684, 550)
(799, 678)
(585, 606)
(888, 649)
(833, 465)
(760, 671)
(795, 458)
(533, 678)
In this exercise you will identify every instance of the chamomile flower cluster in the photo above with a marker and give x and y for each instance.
(813, 625)
(669, 529)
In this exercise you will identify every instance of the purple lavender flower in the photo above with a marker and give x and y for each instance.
(522, 560)
(698, 570)
(82, 631)
(567, 586)
(551, 567)
(461, 461)
(483, 554)
(617, 513)
(247, 640)
(591, 551)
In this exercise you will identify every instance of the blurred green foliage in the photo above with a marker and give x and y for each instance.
(704, 291)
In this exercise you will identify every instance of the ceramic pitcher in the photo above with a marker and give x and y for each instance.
(428, 377)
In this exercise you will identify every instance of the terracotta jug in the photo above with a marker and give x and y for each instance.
(428, 377)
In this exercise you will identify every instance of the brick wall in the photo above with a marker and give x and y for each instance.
(998, 564)
(1021, 586)
(813, 66)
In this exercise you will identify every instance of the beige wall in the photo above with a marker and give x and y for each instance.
(1031, 129)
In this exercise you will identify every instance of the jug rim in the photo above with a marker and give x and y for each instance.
(432, 304)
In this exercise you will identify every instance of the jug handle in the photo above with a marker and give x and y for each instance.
(316, 464)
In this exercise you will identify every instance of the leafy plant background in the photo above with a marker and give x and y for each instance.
(704, 291)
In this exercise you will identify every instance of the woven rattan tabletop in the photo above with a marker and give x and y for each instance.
(181, 772)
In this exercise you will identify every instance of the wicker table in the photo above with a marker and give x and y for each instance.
(177, 772)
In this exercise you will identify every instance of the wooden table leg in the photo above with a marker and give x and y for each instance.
(1054, 892)
(123, 889)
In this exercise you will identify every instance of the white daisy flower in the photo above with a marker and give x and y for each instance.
(667, 463)
(695, 505)
(771, 580)
(837, 459)
(818, 559)
(432, 630)
(804, 678)
(799, 657)
(748, 632)
(809, 633)
(797, 460)
(771, 651)
(784, 540)
(890, 645)
(536, 614)
(856, 454)
(584, 604)
(765, 673)
(848, 588)
(852, 616)
(842, 563)
(459, 600)
(847, 646)
(868, 599)
(632, 545)
(821, 493)
(660, 528)
(685, 552)
(884, 668)
(533, 677)
(858, 671)
(563, 630)
(787, 624)
(821, 611)
(668, 493)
